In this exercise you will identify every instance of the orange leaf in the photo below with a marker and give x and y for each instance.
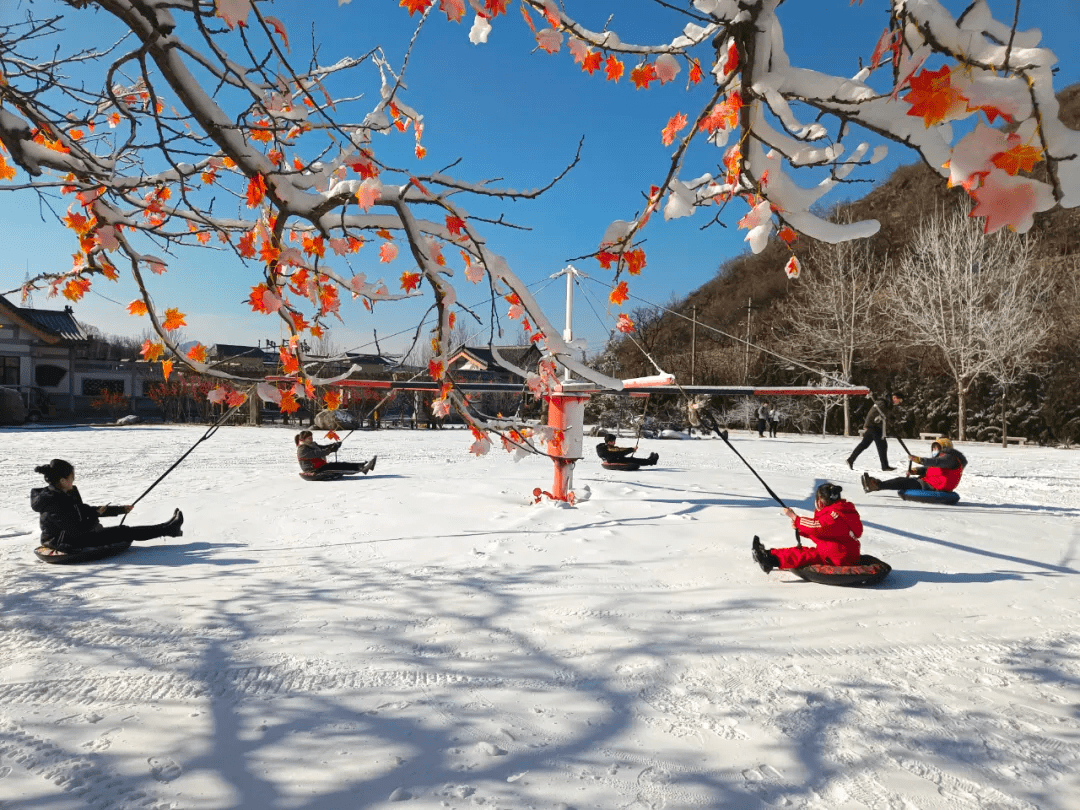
(151, 350)
(635, 261)
(289, 403)
(674, 124)
(197, 353)
(76, 288)
(415, 6)
(613, 68)
(174, 319)
(643, 75)
(1020, 158)
(788, 234)
(256, 190)
(619, 294)
(410, 281)
(932, 96)
(732, 58)
(166, 368)
(695, 72)
(137, 307)
(454, 225)
(332, 399)
(591, 63)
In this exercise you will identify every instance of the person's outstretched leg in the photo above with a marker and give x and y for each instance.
(871, 484)
(342, 466)
(125, 533)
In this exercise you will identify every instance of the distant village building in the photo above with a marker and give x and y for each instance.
(44, 358)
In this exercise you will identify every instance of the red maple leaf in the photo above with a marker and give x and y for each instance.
(613, 68)
(256, 190)
(410, 281)
(606, 257)
(732, 58)
(151, 350)
(674, 124)
(635, 261)
(932, 96)
(620, 293)
(197, 353)
(174, 319)
(1020, 158)
(416, 6)
(289, 403)
(591, 63)
(695, 72)
(643, 75)
(137, 307)
(624, 324)
(454, 225)
(788, 234)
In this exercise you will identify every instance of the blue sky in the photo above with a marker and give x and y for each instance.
(506, 111)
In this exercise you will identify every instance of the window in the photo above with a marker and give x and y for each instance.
(9, 371)
(92, 387)
(48, 376)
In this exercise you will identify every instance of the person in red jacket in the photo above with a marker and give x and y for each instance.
(941, 471)
(835, 528)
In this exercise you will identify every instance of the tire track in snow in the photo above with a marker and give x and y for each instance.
(74, 774)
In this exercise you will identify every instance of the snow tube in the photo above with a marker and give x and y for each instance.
(77, 555)
(868, 571)
(929, 496)
(625, 466)
(328, 475)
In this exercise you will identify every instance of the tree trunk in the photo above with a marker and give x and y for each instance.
(1004, 432)
(847, 415)
(961, 430)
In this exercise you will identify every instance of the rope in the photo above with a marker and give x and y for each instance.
(823, 374)
(209, 432)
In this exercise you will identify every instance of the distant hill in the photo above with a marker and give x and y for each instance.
(898, 204)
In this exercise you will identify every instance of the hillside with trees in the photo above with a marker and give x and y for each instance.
(750, 302)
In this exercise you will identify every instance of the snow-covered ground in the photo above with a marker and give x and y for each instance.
(428, 635)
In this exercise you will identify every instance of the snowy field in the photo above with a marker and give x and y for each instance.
(425, 637)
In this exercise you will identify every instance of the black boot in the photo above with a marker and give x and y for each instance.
(851, 463)
(763, 557)
(172, 527)
(653, 458)
(369, 465)
(869, 483)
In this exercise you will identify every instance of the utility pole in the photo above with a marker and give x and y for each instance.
(568, 330)
(746, 367)
(693, 341)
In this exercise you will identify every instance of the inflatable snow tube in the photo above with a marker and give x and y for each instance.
(77, 555)
(625, 466)
(867, 571)
(328, 475)
(929, 496)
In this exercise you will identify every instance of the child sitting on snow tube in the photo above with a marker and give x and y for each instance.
(941, 472)
(835, 528)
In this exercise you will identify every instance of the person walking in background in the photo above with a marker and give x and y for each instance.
(875, 430)
(68, 524)
(762, 418)
(774, 421)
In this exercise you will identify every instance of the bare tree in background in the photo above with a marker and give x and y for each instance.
(833, 318)
(969, 296)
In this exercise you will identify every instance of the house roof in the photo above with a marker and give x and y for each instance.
(50, 325)
(484, 357)
(230, 351)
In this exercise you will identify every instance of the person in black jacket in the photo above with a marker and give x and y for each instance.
(68, 524)
(312, 457)
(875, 430)
(609, 452)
